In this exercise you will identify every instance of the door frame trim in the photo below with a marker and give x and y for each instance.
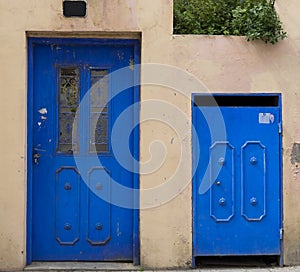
(195, 152)
(135, 43)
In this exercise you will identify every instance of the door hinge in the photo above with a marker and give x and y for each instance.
(279, 127)
(281, 233)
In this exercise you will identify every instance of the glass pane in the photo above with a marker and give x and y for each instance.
(99, 112)
(69, 94)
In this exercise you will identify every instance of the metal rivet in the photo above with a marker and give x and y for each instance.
(68, 186)
(98, 226)
(67, 226)
(222, 201)
(221, 161)
(218, 183)
(98, 186)
(253, 201)
(253, 160)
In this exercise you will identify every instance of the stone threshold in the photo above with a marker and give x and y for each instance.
(81, 266)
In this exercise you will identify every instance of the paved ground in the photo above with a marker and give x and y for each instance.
(84, 267)
(235, 269)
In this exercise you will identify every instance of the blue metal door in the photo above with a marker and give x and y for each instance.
(237, 195)
(72, 197)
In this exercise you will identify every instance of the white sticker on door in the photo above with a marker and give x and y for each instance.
(265, 118)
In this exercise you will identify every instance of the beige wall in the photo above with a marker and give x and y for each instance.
(223, 64)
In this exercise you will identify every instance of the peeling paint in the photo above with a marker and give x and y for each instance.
(119, 233)
(120, 55)
(131, 63)
(42, 111)
(295, 154)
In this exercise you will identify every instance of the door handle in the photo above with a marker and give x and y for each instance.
(36, 157)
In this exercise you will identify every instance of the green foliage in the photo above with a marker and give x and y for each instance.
(255, 19)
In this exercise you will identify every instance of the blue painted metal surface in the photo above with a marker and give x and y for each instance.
(240, 211)
(66, 220)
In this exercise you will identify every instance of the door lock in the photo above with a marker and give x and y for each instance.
(36, 157)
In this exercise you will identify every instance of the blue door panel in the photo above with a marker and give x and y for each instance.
(222, 190)
(239, 213)
(67, 206)
(69, 220)
(253, 157)
(99, 212)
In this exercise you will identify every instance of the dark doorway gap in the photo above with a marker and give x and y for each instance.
(236, 100)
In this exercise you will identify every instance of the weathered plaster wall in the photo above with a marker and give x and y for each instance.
(223, 64)
(233, 65)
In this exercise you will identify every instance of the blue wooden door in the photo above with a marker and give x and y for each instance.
(73, 162)
(238, 211)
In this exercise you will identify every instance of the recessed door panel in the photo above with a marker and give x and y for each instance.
(99, 212)
(67, 206)
(222, 176)
(253, 180)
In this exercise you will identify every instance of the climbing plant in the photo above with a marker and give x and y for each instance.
(255, 19)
